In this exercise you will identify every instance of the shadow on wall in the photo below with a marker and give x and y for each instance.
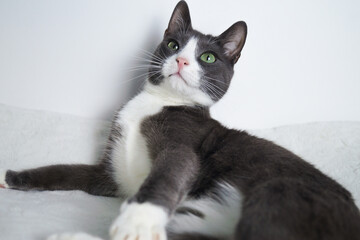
(131, 78)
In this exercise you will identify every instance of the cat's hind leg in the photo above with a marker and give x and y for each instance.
(285, 208)
(212, 216)
(93, 179)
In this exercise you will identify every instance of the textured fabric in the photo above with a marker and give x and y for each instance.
(33, 138)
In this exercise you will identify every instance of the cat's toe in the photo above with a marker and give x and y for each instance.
(3, 183)
(72, 236)
(144, 221)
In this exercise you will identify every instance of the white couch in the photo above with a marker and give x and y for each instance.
(31, 138)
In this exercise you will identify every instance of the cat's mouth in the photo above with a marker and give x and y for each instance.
(178, 74)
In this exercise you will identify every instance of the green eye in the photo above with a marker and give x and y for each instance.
(173, 45)
(208, 57)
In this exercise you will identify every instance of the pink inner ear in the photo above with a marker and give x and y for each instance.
(230, 48)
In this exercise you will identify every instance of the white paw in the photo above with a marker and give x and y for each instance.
(143, 221)
(72, 236)
(3, 184)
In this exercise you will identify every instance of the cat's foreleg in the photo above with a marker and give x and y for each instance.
(94, 179)
(145, 215)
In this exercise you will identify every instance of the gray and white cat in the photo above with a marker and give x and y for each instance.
(185, 176)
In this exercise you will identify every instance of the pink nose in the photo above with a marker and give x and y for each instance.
(181, 62)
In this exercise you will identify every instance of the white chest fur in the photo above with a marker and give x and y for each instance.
(130, 156)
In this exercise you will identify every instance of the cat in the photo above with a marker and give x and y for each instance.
(185, 176)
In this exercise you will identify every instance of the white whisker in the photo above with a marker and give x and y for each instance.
(213, 79)
(141, 75)
(147, 60)
(151, 56)
(217, 87)
(211, 90)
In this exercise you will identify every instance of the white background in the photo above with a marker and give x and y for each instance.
(301, 61)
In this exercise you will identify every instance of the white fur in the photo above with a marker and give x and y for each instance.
(130, 156)
(140, 221)
(220, 218)
(73, 236)
(2, 178)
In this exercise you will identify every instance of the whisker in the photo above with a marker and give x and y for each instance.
(139, 76)
(139, 68)
(147, 60)
(162, 53)
(151, 55)
(211, 90)
(143, 67)
(217, 87)
(218, 94)
(213, 79)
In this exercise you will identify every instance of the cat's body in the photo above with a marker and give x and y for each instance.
(185, 172)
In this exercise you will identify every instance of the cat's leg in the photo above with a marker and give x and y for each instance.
(214, 215)
(145, 215)
(93, 179)
(285, 208)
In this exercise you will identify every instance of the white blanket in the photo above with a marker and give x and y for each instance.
(33, 138)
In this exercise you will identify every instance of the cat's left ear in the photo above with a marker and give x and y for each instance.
(180, 19)
(233, 40)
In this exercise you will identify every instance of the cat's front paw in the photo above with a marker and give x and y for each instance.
(137, 221)
(3, 183)
(72, 236)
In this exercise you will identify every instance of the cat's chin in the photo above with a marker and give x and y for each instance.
(179, 84)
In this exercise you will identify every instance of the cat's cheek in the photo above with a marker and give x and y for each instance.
(140, 221)
(169, 67)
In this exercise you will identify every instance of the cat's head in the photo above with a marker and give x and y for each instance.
(194, 66)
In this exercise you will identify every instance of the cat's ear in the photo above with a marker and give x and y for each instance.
(180, 19)
(233, 40)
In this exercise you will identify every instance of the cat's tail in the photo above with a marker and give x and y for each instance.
(93, 179)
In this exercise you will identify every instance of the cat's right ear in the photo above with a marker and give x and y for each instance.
(180, 19)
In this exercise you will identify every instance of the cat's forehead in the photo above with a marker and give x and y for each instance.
(203, 41)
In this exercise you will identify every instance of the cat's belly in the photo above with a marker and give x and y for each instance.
(130, 160)
(130, 156)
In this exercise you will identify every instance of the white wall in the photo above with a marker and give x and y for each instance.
(301, 62)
